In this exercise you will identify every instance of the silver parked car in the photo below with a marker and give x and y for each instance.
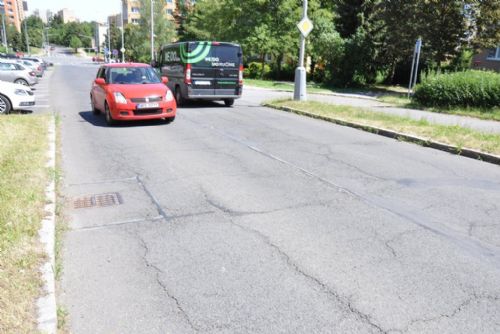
(11, 71)
(35, 67)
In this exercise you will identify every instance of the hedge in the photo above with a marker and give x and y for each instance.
(478, 89)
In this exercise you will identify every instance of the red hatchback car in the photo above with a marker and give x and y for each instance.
(130, 92)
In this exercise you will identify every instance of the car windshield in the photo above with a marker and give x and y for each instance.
(133, 75)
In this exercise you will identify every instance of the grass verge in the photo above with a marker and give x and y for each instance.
(457, 136)
(401, 101)
(388, 94)
(23, 179)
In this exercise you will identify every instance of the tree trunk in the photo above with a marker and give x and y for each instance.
(263, 61)
(278, 66)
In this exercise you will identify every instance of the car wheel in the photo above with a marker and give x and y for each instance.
(5, 105)
(229, 102)
(109, 119)
(169, 120)
(22, 82)
(95, 111)
(178, 97)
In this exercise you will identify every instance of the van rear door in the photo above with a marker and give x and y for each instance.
(226, 65)
(202, 72)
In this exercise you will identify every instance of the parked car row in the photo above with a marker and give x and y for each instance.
(15, 97)
(17, 75)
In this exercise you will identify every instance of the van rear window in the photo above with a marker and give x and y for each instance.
(225, 56)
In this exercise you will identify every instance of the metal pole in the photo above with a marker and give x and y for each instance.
(300, 93)
(412, 70)
(419, 47)
(109, 41)
(152, 32)
(27, 37)
(4, 33)
(123, 40)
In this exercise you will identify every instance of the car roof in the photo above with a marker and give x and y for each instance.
(127, 65)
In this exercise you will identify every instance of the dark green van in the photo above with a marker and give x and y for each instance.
(203, 70)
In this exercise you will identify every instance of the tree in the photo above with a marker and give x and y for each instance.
(164, 29)
(75, 43)
(35, 31)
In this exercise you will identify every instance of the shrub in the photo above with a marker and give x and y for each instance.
(254, 71)
(478, 89)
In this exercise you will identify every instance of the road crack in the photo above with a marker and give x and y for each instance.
(162, 285)
(344, 301)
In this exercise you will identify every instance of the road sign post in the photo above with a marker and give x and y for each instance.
(305, 27)
(414, 69)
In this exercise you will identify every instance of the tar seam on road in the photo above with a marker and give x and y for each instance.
(153, 198)
(472, 245)
(120, 223)
(134, 178)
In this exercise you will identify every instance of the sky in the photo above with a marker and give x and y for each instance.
(85, 10)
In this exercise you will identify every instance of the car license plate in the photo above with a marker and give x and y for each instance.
(148, 105)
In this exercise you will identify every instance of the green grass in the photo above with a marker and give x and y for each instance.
(394, 95)
(23, 178)
(492, 114)
(453, 135)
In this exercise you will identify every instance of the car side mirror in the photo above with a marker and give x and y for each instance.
(100, 81)
(164, 80)
(154, 63)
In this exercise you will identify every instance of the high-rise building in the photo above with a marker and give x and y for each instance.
(14, 12)
(67, 15)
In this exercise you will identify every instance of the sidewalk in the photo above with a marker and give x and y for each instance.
(372, 104)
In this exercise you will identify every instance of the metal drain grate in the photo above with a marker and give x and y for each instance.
(101, 200)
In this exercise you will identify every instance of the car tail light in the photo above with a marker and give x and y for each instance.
(33, 74)
(39, 69)
(240, 75)
(187, 74)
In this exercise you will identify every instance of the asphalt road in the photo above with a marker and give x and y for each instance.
(250, 220)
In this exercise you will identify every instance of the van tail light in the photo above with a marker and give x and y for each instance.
(187, 74)
(33, 74)
(240, 75)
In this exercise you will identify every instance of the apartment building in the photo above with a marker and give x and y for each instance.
(67, 15)
(14, 12)
(132, 14)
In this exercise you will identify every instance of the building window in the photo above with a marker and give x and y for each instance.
(169, 11)
(135, 10)
(135, 21)
(169, 1)
(494, 54)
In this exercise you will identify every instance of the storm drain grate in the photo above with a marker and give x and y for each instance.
(101, 200)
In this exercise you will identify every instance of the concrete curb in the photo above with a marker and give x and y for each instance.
(46, 304)
(352, 96)
(465, 152)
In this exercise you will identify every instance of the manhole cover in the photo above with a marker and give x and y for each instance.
(101, 200)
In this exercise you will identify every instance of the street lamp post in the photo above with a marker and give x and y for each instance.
(300, 93)
(123, 39)
(27, 37)
(152, 32)
(109, 41)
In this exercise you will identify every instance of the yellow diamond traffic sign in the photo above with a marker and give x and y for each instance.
(305, 26)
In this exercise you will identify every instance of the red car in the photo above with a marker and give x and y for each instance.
(130, 92)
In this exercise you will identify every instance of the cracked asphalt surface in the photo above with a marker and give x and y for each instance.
(249, 220)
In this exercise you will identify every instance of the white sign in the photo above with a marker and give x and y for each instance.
(305, 26)
(122, 50)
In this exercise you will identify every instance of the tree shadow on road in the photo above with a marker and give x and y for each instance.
(100, 121)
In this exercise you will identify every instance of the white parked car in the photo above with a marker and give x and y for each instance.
(15, 97)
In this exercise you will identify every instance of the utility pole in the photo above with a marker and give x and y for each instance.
(123, 40)
(414, 69)
(152, 31)
(109, 41)
(27, 37)
(305, 26)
